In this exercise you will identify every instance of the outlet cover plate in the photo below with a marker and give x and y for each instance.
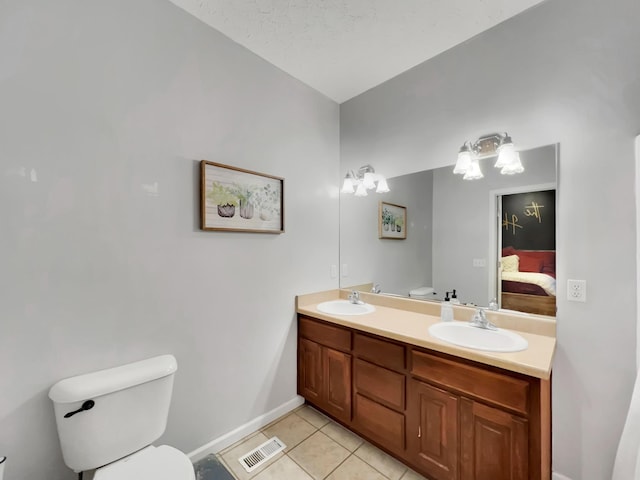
(577, 290)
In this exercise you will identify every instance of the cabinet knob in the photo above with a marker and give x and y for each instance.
(419, 431)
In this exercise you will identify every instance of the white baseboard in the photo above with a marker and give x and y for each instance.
(220, 443)
(558, 476)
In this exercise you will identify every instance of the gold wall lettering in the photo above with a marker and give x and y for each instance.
(533, 210)
(513, 223)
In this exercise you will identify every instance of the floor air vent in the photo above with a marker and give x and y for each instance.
(260, 455)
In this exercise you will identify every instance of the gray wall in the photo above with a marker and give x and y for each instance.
(397, 265)
(99, 99)
(567, 71)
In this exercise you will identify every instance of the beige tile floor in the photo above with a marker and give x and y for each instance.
(317, 448)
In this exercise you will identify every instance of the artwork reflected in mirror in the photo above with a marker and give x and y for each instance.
(453, 233)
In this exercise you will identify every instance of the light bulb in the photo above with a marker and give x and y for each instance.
(361, 191)
(382, 185)
(506, 155)
(473, 172)
(464, 160)
(514, 167)
(347, 186)
(369, 181)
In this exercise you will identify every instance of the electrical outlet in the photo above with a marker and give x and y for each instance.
(334, 271)
(345, 270)
(479, 262)
(577, 290)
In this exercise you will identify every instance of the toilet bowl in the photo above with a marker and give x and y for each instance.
(108, 419)
(158, 463)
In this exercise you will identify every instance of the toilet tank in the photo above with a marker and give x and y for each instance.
(129, 412)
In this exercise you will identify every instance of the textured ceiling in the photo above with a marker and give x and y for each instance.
(345, 47)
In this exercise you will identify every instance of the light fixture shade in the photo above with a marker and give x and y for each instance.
(473, 172)
(361, 191)
(514, 167)
(464, 161)
(347, 186)
(382, 185)
(369, 181)
(364, 179)
(506, 154)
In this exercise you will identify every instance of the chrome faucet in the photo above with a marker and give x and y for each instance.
(480, 320)
(376, 288)
(354, 297)
(493, 305)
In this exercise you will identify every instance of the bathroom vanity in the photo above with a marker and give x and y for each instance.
(448, 412)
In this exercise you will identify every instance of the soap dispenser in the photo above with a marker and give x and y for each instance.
(454, 298)
(446, 310)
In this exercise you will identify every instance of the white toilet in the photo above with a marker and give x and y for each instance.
(107, 420)
(423, 293)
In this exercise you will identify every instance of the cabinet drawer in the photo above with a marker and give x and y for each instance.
(379, 422)
(493, 387)
(380, 352)
(325, 334)
(380, 384)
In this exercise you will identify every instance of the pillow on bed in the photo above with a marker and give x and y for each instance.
(510, 263)
(530, 264)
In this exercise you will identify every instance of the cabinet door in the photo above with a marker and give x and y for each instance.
(494, 444)
(337, 376)
(432, 430)
(310, 370)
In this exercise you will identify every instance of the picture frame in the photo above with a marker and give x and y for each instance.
(237, 200)
(392, 221)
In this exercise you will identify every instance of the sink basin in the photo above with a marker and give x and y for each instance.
(464, 335)
(344, 307)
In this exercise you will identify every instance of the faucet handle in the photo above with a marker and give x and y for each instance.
(493, 304)
(354, 297)
(480, 320)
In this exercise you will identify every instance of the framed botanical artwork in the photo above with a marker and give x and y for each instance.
(392, 221)
(238, 200)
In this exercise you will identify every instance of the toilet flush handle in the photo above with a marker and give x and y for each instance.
(88, 405)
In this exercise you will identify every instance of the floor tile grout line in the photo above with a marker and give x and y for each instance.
(226, 450)
(276, 422)
(226, 465)
(301, 417)
(301, 467)
(337, 466)
(377, 470)
(291, 448)
(331, 439)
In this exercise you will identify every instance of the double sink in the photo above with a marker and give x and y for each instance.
(461, 334)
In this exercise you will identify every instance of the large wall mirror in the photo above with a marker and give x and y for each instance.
(457, 234)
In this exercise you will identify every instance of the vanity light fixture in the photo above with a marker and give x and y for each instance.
(486, 146)
(364, 179)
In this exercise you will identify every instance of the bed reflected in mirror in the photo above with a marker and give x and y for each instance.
(527, 273)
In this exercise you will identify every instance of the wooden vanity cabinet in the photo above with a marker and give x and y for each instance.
(324, 367)
(494, 444)
(477, 421)
(379, 387)
(446, 417)
(432, 439)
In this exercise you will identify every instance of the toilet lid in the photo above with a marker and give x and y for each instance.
(150, 463)
(421, 292)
